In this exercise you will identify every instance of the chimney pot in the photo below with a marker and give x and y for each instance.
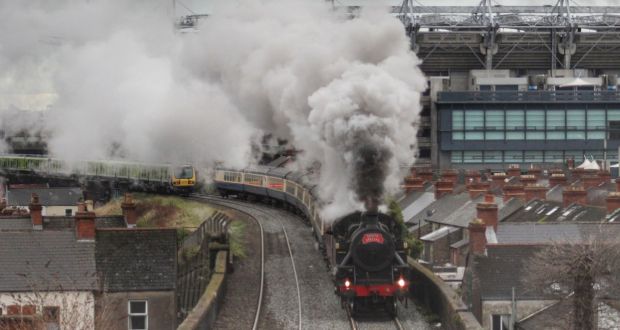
(36, 212)
(535, 191)
(488, 211)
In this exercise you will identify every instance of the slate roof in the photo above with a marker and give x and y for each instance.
(502, 269)
(58, 223)
(537, 233)
(47, 197)
(42, 260)
(552, 211)
(415, 202)
(442, 208)
(15, 223)
(137, 260)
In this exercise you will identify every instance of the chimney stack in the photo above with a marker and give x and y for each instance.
(514, 170)
(449, 175)
(590, 181)
(476, 189)
(472, 176)
(577, 173)
(613, 202)
(514, 191)
(477, 237)
(84, 223)
(129, 211)
(488, 212)
(618, 184)
(443, 187)
(557, 179)
(499, 179)
(425, 173)
(528, 179)
(535, 171)
(535, 191)
(575, 195)
(604, 176)
(36, 212)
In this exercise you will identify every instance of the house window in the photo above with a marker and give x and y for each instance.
(68, 212)
(138, 315)
(51, 317)
(500, 321)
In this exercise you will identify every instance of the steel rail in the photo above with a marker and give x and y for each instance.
(223, 202)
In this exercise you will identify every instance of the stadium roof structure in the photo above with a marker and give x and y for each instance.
(489, 36)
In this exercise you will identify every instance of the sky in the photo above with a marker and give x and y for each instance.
(200, 6)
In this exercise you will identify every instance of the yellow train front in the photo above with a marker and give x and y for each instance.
(183, 180)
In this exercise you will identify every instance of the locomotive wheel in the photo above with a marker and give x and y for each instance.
(390, 306)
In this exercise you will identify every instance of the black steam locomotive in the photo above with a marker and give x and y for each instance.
(370, 270)
(365, 249)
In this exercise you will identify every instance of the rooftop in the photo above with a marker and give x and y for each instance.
(545, 233)
(47, 196)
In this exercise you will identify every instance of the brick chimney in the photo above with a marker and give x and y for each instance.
(449, 175)
(577, 173)
(514, 191)
(425, 173)
(488, 212)
(604, 176)
(570, 163)
(557, 179)
(590, 181)
(572, 195)
(84, 223)
(443, 187)
(514, 170)
(477, 237)
(535, 191)
(129, 211)
(472, 176)
(535, 171)
(476, 189)
(528, 179)
(613, 202)
(36, 212)
(498, 179)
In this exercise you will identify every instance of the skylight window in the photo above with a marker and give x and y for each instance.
(553, 210)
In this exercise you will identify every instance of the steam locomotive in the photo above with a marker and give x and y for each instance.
(370, 270)
(364, 249)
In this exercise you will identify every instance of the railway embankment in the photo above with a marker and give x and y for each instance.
(441, 299)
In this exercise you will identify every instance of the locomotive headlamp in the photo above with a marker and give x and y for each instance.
(347, 283)
(401, 282)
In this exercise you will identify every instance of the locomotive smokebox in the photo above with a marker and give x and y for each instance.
(371, 204)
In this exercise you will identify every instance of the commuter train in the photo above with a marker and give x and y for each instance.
(151, 177)
(364, 249)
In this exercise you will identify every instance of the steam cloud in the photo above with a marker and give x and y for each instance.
(346, 92)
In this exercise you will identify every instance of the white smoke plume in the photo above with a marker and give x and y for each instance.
(344, 91)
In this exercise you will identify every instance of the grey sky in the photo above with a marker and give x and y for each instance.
(201, 6)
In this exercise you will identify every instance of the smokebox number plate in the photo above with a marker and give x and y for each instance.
(372, 238)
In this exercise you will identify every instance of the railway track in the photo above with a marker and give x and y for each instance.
(260, 214)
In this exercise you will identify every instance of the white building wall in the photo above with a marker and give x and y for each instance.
(524, 308)
(77, 309)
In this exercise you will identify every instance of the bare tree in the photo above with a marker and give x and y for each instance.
(582, 271)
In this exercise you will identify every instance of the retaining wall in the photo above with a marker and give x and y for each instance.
(203, 315)
(441, 299)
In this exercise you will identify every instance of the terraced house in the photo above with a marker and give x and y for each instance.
(86, 272)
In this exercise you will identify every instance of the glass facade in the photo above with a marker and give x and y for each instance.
(526, 156)
(534, 124)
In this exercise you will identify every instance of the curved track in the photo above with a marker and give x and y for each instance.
(252, 211)
(298, 290)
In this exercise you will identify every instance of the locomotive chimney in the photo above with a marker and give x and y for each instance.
(371, 204)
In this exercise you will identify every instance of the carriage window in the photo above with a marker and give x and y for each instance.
(276, 184)
(253, 179)
(232, 177)
(290, 188)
